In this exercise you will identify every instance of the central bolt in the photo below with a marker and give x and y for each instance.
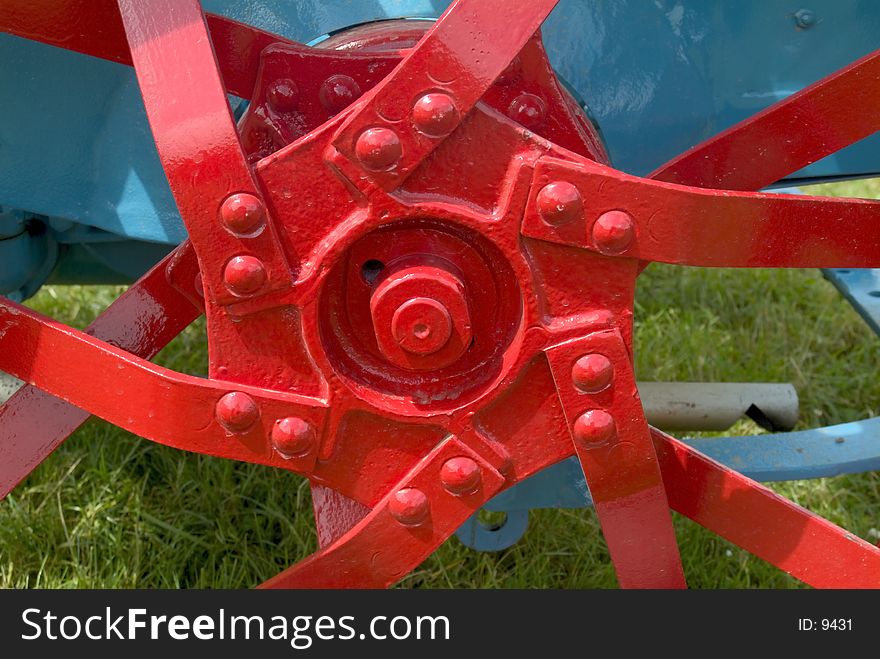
(421, 318)
(421, 325)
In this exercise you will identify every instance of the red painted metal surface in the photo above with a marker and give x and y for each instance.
(760, 521)
(142, 321)
(613, 444)
(398, 312)
(393, 132)
(403, 529)
(637, 218)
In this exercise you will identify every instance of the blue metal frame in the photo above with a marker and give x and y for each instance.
(847, 448)
(658, 76)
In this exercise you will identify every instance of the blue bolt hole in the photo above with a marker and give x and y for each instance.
(493, 531)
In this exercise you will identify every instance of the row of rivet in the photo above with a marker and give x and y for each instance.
(591, 374)
(560, 202)
(336, 93)
(244, 214)
(435, 114)
(291, 436)
(459, 476)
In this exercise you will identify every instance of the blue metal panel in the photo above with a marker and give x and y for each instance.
(659, 77)
(861, 288)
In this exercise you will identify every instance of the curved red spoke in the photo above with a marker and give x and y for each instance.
(443, 76)
(143, 320)
(199, 147)
(94, 27)
(763, 523)
(610, 434)
(181, 411)
(405, 527)
(631, 217)
(825, 117)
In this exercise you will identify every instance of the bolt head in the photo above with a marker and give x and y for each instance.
(614, 232)
(409, 506)
(338, 92)
(293, 436)
(528, 110)
(592, 373)
(559, 202)
(594, 428)
(421, 326)
(244, 275)
(461, 475)
(378, 149)
(237, 412)
(242, 213)
(283, 96)
(435, 114)
(421, 317)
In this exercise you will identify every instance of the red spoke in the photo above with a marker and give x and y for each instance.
(438, 82)
(763, 523)
(405, 527)
(182, 411)
(200, 150)
(632, 217)
(610, 434)
(819, 120)
(143, 320)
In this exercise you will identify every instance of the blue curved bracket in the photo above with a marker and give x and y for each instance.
(847, 448)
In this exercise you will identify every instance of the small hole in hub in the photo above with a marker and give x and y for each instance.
(370, 270)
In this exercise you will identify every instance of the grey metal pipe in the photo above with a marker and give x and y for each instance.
(718, 405)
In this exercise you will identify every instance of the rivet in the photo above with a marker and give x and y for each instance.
(242, 213)
(409, 506)
(244, 275)
(378, 149)
(237, 412)
(460, 475)
(613, 232)
(594, 428)
(283, 95)
(435, 114)
(592, 373)
(528, 110)
(338, 92)
(559, 202)
(293, 436)
(805, 18)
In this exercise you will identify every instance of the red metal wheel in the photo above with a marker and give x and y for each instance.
(397, 311)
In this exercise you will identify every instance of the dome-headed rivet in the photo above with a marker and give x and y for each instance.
(592, 373)
(461, 475)
(435, 114)
(283, 96)
(594, 428)
(559, 202)
(244, 275)
(242, 213)
(614, 232)
(409, 506)
(338, 92)
(378, 149)
(237, 412)
(293, 436)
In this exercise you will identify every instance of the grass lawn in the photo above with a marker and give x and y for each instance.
(111, 510)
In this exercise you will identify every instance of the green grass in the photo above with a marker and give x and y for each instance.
(111, 510)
